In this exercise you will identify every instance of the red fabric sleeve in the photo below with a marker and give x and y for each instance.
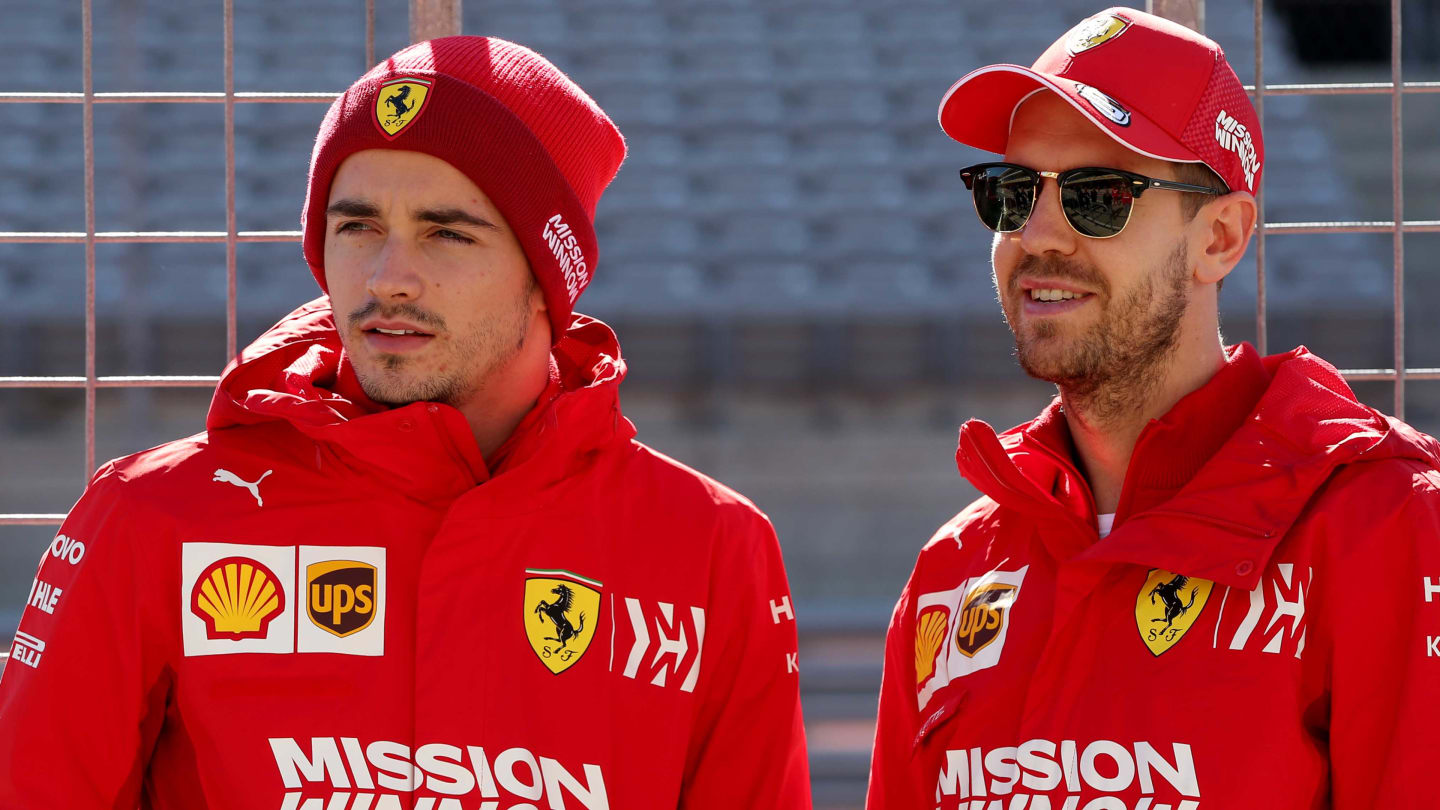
(83, 695)
(1382, 605)
(894, 779)
(748, 744)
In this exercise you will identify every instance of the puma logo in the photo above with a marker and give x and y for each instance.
(231, 478)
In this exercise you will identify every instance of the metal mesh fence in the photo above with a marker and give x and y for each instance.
(1398, 227)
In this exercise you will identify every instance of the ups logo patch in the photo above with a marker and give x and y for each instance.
(982, 617)
(1167, 606)
(341, 596)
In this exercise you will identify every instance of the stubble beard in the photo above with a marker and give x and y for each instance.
(473, 358)
(1111, 369)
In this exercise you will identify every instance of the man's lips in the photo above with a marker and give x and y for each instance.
(1041, 297)
(1031, 285)
(395, 337)
(397, 328)
(396, 344)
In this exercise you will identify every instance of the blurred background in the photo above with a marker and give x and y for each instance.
(797, 277)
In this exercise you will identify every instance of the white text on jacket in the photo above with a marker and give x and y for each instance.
(1044, 767)
(514, 774)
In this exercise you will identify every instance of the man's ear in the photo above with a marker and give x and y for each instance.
(1220, 234)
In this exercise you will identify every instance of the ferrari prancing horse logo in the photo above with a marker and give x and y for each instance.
(562, 610)
(1167, 606)
(1095, 32)
(399, 102)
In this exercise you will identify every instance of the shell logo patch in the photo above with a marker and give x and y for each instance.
(562, 610)
(1095, 32)
(1105, 105)
(237, 598)
(341, 596)
(1167, 606)
(930, 632)
(399, 103)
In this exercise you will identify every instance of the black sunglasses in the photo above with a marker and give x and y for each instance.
(1096, 201)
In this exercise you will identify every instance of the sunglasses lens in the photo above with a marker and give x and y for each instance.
(1004, 197)
(1097, 203)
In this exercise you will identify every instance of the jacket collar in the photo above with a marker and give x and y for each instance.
(1213, 485)
(1173, 448)
(297, 373)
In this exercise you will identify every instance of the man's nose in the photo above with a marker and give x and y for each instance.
(1047, 231)
(395, 274)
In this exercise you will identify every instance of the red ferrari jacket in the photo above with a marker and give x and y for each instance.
(323, 605)
(1259, 630)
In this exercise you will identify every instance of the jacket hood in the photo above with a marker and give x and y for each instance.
(1241, 457)
(298, 374)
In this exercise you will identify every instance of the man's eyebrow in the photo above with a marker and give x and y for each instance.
(351, 207)
(453, 216)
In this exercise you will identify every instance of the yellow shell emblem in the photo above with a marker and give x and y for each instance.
(930, 634)
(399, 103)
(237, 597)
(1167, 607)
(1095, 32)
(562, 610)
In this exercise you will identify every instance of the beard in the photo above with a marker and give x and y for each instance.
(1116, 361)
(469, 359)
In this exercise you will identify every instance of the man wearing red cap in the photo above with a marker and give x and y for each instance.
(1201, 578)
(417, 560)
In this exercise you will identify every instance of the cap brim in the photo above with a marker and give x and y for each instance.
(978, 109)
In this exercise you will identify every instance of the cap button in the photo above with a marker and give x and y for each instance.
(1243, 568)
(406, 425)
(432, 408)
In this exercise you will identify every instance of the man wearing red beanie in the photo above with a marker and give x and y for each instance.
(1201, 578)
(417, 560)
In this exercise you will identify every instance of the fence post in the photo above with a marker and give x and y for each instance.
(1189, 13)
(434, 18)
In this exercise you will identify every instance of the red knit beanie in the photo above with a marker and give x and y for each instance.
(540, 148)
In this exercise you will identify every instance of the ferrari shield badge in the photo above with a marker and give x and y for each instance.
(399, 103)
(562, 610)
(1167, 607)
(1095, 32)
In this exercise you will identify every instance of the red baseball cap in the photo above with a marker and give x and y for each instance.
(1155, 86)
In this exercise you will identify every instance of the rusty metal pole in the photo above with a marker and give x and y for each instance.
(434, 18)
(1189, 13)
(1397, 175)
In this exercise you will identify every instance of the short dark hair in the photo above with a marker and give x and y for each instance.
(1196, 174)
